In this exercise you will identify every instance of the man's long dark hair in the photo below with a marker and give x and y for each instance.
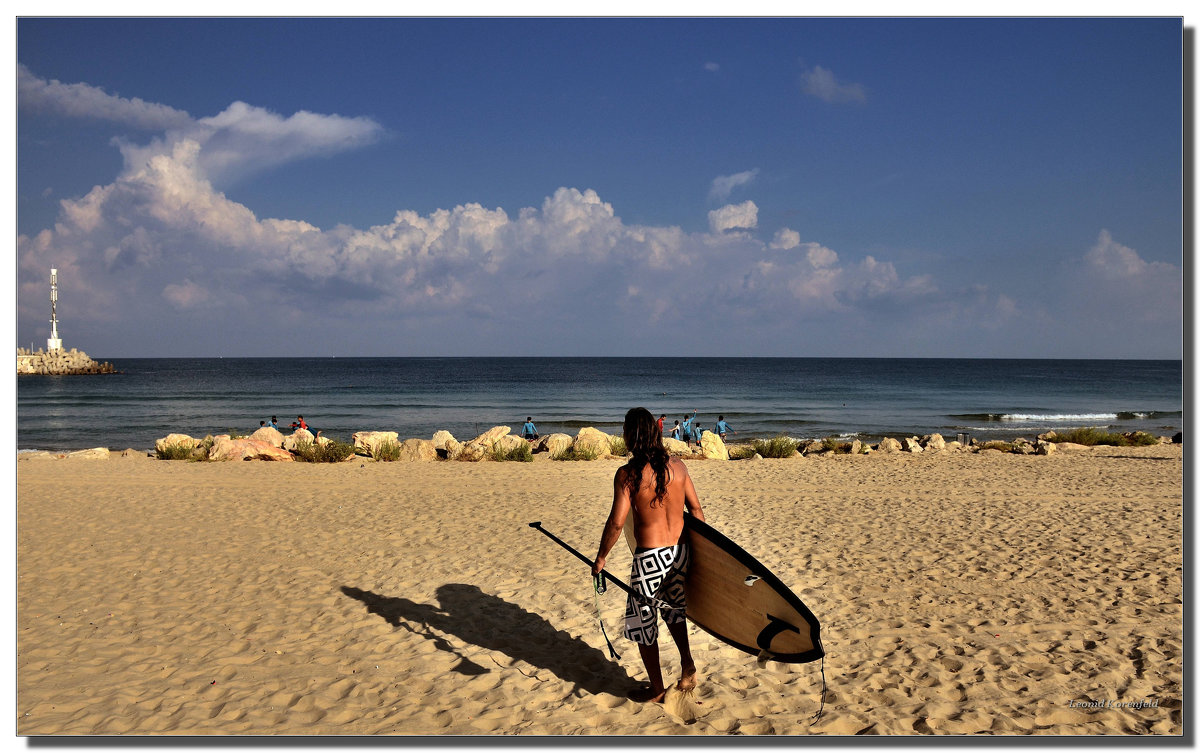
(643, 439)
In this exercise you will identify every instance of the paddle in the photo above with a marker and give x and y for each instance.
(538, 526)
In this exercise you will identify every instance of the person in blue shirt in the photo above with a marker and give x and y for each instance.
(529, 431)
(675, 431)
(687, 429)
(273, 423)
(723, 427)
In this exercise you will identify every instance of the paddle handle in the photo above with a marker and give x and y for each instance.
(537, 525)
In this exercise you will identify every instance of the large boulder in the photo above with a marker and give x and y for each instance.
(713, 447)
(96, 453)
(509, 442)
(911, 444)
(225, 448)
(418, 449)
(889, 444)
(176, 439)
(1045, 448)
(270, 435)
(489, 437)
(677, 447)
(444, 440)
(554, 444)
(591, 438)
(371, 441)
(480, 448)
(934, 442)
(298, 436)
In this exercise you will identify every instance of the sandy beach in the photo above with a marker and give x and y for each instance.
(958, 594)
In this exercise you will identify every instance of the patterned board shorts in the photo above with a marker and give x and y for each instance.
(657, 574)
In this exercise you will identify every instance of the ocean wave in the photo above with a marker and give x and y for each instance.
(1037, 417)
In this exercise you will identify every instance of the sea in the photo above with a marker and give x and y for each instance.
(801, 398)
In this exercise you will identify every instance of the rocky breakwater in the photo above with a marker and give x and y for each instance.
(58, 362)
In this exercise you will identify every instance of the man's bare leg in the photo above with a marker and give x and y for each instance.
(687, 679)
(656, 691)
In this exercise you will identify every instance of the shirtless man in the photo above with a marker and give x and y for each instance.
(657, 500)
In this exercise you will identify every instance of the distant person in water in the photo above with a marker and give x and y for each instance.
(686, 428)
(656, 500)
(723, 428)
(529, 431)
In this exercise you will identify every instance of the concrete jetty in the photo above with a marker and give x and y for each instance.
(59, 361)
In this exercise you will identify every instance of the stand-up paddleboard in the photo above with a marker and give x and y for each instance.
(738, 601)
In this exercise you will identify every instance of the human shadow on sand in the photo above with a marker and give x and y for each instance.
(490, 622)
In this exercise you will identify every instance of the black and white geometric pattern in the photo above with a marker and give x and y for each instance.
(657, 575)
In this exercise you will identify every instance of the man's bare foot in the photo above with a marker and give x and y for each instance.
(646, 694)
(687, 680)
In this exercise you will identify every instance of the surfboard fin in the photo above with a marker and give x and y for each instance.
(764, 656)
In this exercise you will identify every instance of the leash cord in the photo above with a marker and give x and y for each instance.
(822, 709)
(597, 589)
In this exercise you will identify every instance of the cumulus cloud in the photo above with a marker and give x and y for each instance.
(822, 84)
(163, 240)
(1114, 261)
(723, 185)
(742, 216)
(785, 238)
(712, 67)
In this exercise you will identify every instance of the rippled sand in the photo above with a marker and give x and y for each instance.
(957, 594)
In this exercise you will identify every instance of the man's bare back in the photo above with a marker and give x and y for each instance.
(660, 522)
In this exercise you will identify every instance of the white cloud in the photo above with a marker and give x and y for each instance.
(85, 101)
(238, 141)
(785, 239)
(1117, 262)
(185, 295)
(161, 240)
(723, 185)
(822, 84)
(712, 67)
(742, 216)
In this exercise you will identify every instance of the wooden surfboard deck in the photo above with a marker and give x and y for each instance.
(735, 599)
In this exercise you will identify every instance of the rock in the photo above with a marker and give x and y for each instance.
(594, 440)
(934, 442)
(1023, 446)
(509, 442)
(270, 435)
(299, 435)
(889, 444)
(713, 447)
(132, 453)
(856, 447)
(489, 437)
(555, 444)
(96, 453)
(1071, 447)
(451, 451)
(677, 447)
(756, 456)
(1044, 448)
(225, 448)
(442, 440)
(371, 441)
(954, 445)
(175, 439)
(911, 444)
(418, 450)
(1178, 438)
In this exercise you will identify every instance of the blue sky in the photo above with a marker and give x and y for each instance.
(778, 187)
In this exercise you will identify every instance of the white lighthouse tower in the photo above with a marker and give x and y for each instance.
(55, 342)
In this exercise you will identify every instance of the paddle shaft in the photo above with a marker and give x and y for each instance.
(538, 526)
